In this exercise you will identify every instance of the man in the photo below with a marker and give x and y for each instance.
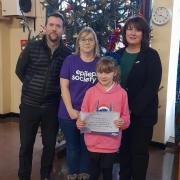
(38, 68)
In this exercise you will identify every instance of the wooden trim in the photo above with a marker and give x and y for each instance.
(5, 18)
(8, 115)
(157, 144)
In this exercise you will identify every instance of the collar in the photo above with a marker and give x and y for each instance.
(44, 40)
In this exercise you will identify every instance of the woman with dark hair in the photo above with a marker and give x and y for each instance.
(141, 76)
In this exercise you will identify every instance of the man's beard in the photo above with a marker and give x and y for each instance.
(53, 40)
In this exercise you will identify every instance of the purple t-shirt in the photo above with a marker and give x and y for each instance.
(81, 76)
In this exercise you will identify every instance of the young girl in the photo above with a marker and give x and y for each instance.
(106, 95)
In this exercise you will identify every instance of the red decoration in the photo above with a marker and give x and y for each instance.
(113, 39)
(69, 7)
(23, 43)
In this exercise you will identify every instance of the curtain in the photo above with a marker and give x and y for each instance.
(146, 6)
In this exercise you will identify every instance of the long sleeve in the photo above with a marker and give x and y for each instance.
(125, 111)
(22, 63)
(151, 87)
(84, 106)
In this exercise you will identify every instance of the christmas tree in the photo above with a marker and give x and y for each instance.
(104, 16)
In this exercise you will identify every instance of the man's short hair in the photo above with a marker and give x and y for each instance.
(58, 15)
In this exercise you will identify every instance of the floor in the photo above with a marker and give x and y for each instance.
(163, 164)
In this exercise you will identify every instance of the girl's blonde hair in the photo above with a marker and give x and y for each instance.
(107, 64)
(87, 30)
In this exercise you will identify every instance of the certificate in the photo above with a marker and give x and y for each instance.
(100, 122)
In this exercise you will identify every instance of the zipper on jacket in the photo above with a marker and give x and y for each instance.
(47, 75)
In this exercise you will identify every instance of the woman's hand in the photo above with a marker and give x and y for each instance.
(119, 123)
(80, 123)
(73, 113)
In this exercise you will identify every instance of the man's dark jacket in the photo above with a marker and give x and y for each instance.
(39, 72)
(142, 86)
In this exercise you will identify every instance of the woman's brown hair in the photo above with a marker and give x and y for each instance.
(140, 24)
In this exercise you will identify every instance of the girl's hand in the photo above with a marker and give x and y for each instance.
(80, 124)
(119, 123)
(73, 113)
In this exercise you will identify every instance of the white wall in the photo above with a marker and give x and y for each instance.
(161, 42)
(166, 41)
(173, 62)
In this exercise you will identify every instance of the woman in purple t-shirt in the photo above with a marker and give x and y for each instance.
(77, 75)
